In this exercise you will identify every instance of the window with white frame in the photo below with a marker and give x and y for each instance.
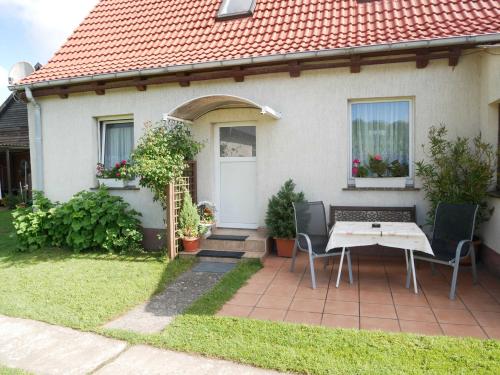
(236, 8)
(381, 129)
(116, 141)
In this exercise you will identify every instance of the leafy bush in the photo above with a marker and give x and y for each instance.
(459, 171)
(189, 219)
(11, 201)
(279, 217)
(377, 165)
(398, 169)
(161, 155)
(88, 221)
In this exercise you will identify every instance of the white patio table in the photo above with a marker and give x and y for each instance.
(406, 236)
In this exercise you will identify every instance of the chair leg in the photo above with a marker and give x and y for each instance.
(313, 275)
(294, 255)
(340, 267)
(433, 268)
(349, 266)
(454, 279)
(473, 263)
(408, 275)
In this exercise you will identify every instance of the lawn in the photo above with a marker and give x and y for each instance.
(76, 290)
(84, 291)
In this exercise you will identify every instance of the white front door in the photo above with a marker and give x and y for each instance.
(236, 177)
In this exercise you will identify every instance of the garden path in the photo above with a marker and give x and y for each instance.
(154, 315)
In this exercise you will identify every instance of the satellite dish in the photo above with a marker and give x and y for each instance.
(19, 71)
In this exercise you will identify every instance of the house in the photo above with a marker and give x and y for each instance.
(15, 171)
(275, 89)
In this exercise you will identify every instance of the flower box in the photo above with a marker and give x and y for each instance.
(380, 182)
(113, 182)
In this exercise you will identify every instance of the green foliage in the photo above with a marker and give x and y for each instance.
(161, 155)
(377, 165)
(11, 201)
(362, 171)
(189, 219)
(458, 171)
(88, 221)
(279, 217)
(396, 169)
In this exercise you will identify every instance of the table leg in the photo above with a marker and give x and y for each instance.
(413, 272)
(406, 258)
(340, 267)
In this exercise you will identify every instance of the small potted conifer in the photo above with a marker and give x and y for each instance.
(189, 224)
(280, 219)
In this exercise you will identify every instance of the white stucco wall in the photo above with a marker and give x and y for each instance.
(309, 144)
(489, 104)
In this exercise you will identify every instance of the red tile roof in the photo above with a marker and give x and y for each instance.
(126, 35)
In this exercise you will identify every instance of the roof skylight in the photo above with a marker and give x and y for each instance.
(236, 8)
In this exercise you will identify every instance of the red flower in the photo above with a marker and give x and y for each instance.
(124, 162)
(377, 157)
(117, 165)
(118, 174)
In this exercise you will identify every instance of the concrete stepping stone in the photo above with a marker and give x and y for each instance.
(154, 315)
(147, 360)
(42, 348)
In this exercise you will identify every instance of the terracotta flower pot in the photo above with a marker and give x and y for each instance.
(284, 247)
(191, 245)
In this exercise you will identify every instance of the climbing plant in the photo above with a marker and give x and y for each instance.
(161, 155)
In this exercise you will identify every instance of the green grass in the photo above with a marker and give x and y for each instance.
(12, 371)
(84, 291)
(77, 290)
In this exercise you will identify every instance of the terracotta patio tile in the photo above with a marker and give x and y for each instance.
(254, 287)
(454, 316)
(281, 290)
(480, 306)
(421, 328)
(274, 302)
(268, 314)
(375, 310)
(235, 310)
(375, 297)
(263, 278)
(303, 317)
(340, 321)
(307, 305)
(409, 299)
(416, 313)
(441, 301)
(244, 299)
(462, 330)
(492, 332)
(343, 294)
(487, 318)
(379, 324)
(342, 307)
(308, 292)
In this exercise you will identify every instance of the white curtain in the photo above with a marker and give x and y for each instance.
(381, 128)
(118, 144)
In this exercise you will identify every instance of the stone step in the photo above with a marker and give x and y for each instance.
(247, 245)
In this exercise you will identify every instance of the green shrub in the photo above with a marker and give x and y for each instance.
(88, 221)
(189, 219)
(280, 220)
(458, 171)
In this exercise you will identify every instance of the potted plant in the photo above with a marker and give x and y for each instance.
(458, 171)
(379, 173)
(206, 210)
(117, 177)
(280, 219)
(189, 224)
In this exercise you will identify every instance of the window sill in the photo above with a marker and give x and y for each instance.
(494, 194)
(130, 188)
(354, 188)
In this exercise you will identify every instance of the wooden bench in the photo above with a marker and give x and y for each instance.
(372, 214)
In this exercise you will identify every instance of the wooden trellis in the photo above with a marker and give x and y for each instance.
(175, 195)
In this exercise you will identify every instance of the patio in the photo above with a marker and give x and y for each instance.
(377, 300)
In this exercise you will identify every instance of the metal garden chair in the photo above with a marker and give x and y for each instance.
(312, 236)
(452, 239)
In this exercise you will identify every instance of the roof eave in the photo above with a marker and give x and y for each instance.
(428, 43)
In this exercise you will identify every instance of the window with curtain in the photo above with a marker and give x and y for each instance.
(117, 142)
(381, 128)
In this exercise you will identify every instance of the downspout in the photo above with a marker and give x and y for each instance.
(38, 185)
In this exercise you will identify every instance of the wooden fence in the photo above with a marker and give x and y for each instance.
(175, 195)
